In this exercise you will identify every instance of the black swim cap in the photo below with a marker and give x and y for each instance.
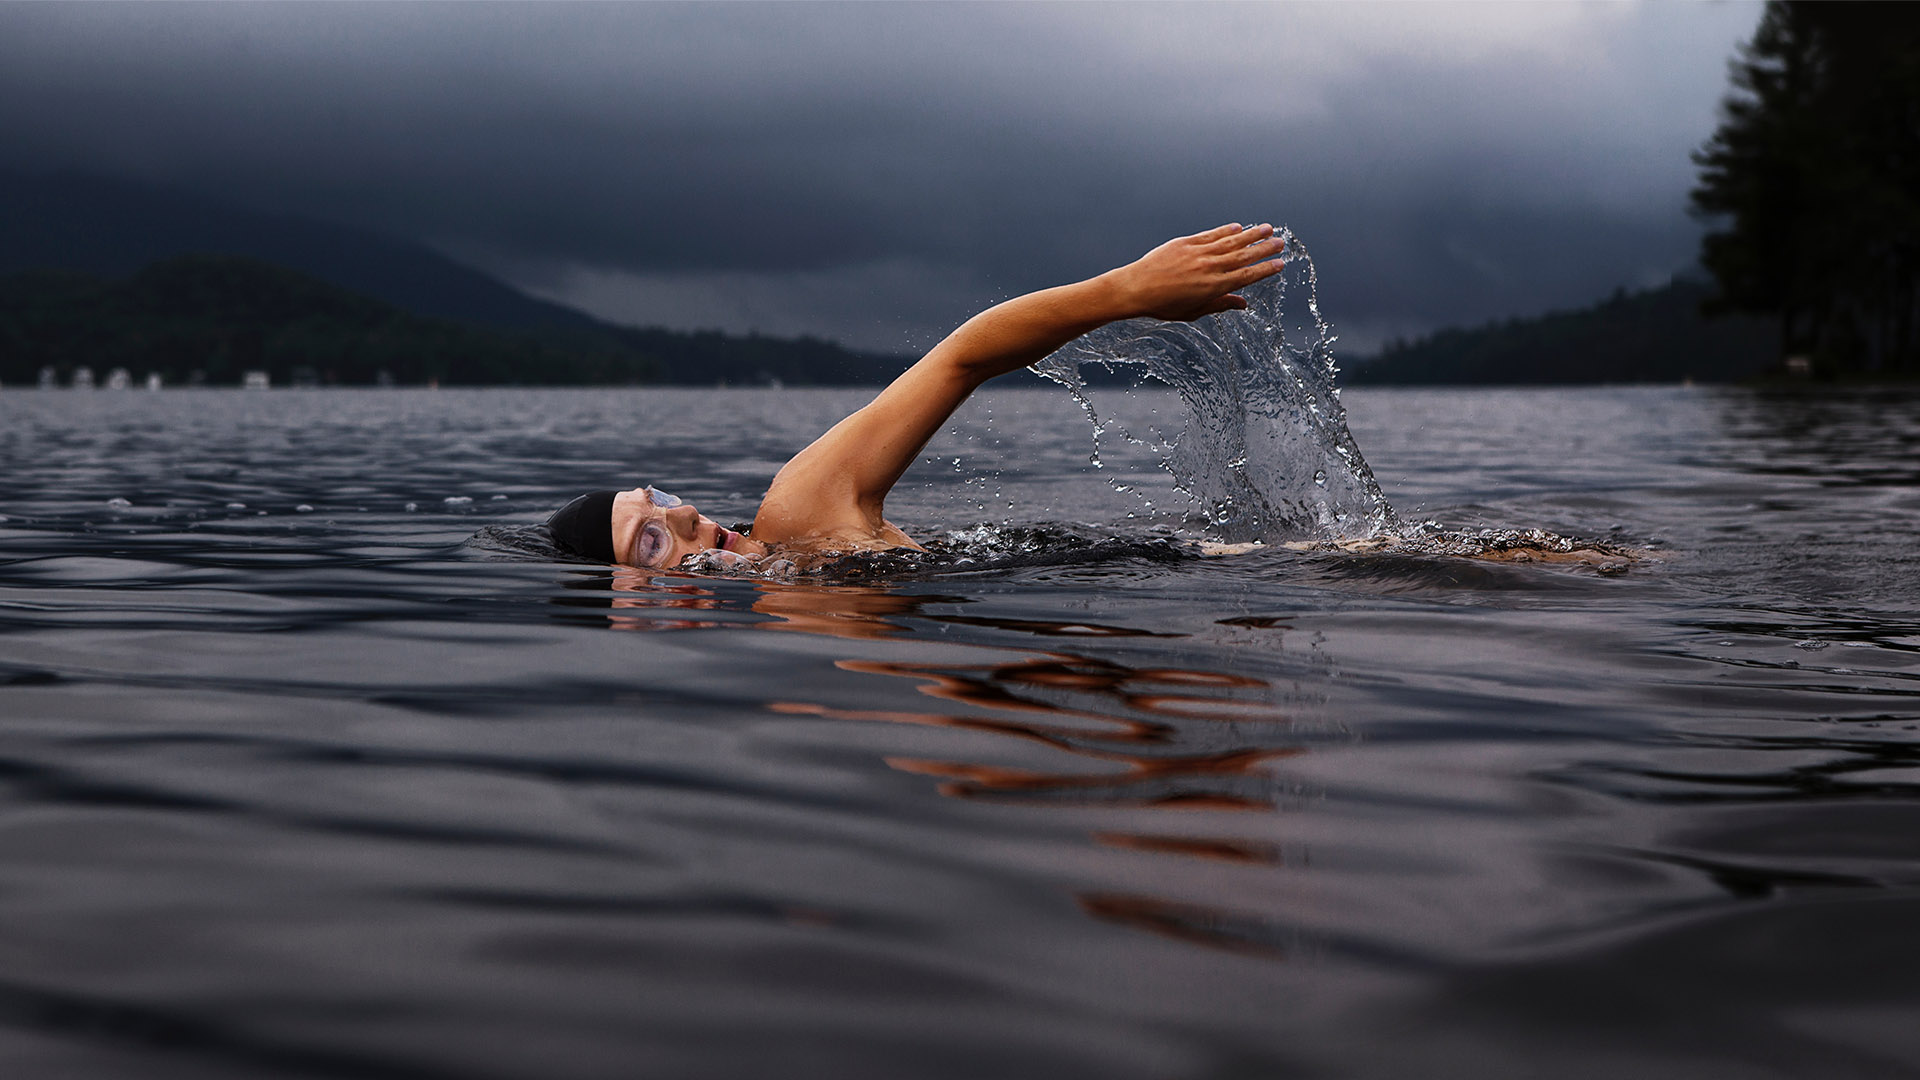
(584, 527)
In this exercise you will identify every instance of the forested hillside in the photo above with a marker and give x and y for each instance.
(1653, 336)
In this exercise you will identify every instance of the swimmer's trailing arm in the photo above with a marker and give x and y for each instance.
(846, 474)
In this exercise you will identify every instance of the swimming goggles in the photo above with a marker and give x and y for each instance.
(653, 542)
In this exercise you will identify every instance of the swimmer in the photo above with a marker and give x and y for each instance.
(831, 497)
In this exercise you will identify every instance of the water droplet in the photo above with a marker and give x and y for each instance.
(1320, 477)
(303, 508)
(411, 507)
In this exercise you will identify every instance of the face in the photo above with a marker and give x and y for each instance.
(654, 530)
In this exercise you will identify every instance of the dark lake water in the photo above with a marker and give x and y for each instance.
(297, 780)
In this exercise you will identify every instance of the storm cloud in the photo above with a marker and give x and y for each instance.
(873, 173)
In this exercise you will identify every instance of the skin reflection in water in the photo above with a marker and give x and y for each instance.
(1157, 738)
(1145, 720)
(1099, 711)
(841, 611)
(640, 591)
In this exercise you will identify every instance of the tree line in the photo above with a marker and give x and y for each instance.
(1811, 186)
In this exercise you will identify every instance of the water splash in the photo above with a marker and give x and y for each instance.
(1265, 452)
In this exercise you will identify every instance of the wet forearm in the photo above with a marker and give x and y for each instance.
(1014, 334)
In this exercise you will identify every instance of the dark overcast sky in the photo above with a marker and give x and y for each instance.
(875, 172)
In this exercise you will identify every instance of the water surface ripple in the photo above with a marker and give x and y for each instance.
(296, 779)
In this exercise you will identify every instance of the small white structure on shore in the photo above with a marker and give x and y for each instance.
(118, 379)
(153, 381)
(83, 378)
(256, 380)
(49, 378)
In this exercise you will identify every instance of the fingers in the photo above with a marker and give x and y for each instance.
(1255, 251)
(1205, 269)
(1235, 233)
(1259, 271)
(1220, 233)
(1252, 234)
(1254, 241)
(1241, 238)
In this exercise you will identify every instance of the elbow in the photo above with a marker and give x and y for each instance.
(960, 369)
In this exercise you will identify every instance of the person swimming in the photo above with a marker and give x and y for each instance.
(831, 496)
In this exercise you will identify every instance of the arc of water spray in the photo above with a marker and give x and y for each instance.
(1264, 451)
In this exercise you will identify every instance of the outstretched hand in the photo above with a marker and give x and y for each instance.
(1193, 276)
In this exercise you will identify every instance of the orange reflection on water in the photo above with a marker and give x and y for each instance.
(637, 590)
(842, 611)
(1202, 847)
(1154, 737)
(1182, 739)
(1097, 710)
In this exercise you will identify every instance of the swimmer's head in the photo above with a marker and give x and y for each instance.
(642, 527)
(583, 527)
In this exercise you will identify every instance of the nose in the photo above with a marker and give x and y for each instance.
(682, 519)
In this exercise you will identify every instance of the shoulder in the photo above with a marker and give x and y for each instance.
(806, 510)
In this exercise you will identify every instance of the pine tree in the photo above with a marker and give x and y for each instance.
(1813, 182)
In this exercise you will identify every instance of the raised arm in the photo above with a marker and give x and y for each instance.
(837, 487)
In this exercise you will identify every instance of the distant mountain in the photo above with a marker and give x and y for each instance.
(114, 228)
(67, 241)
(1654, 336)
(212, 318)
